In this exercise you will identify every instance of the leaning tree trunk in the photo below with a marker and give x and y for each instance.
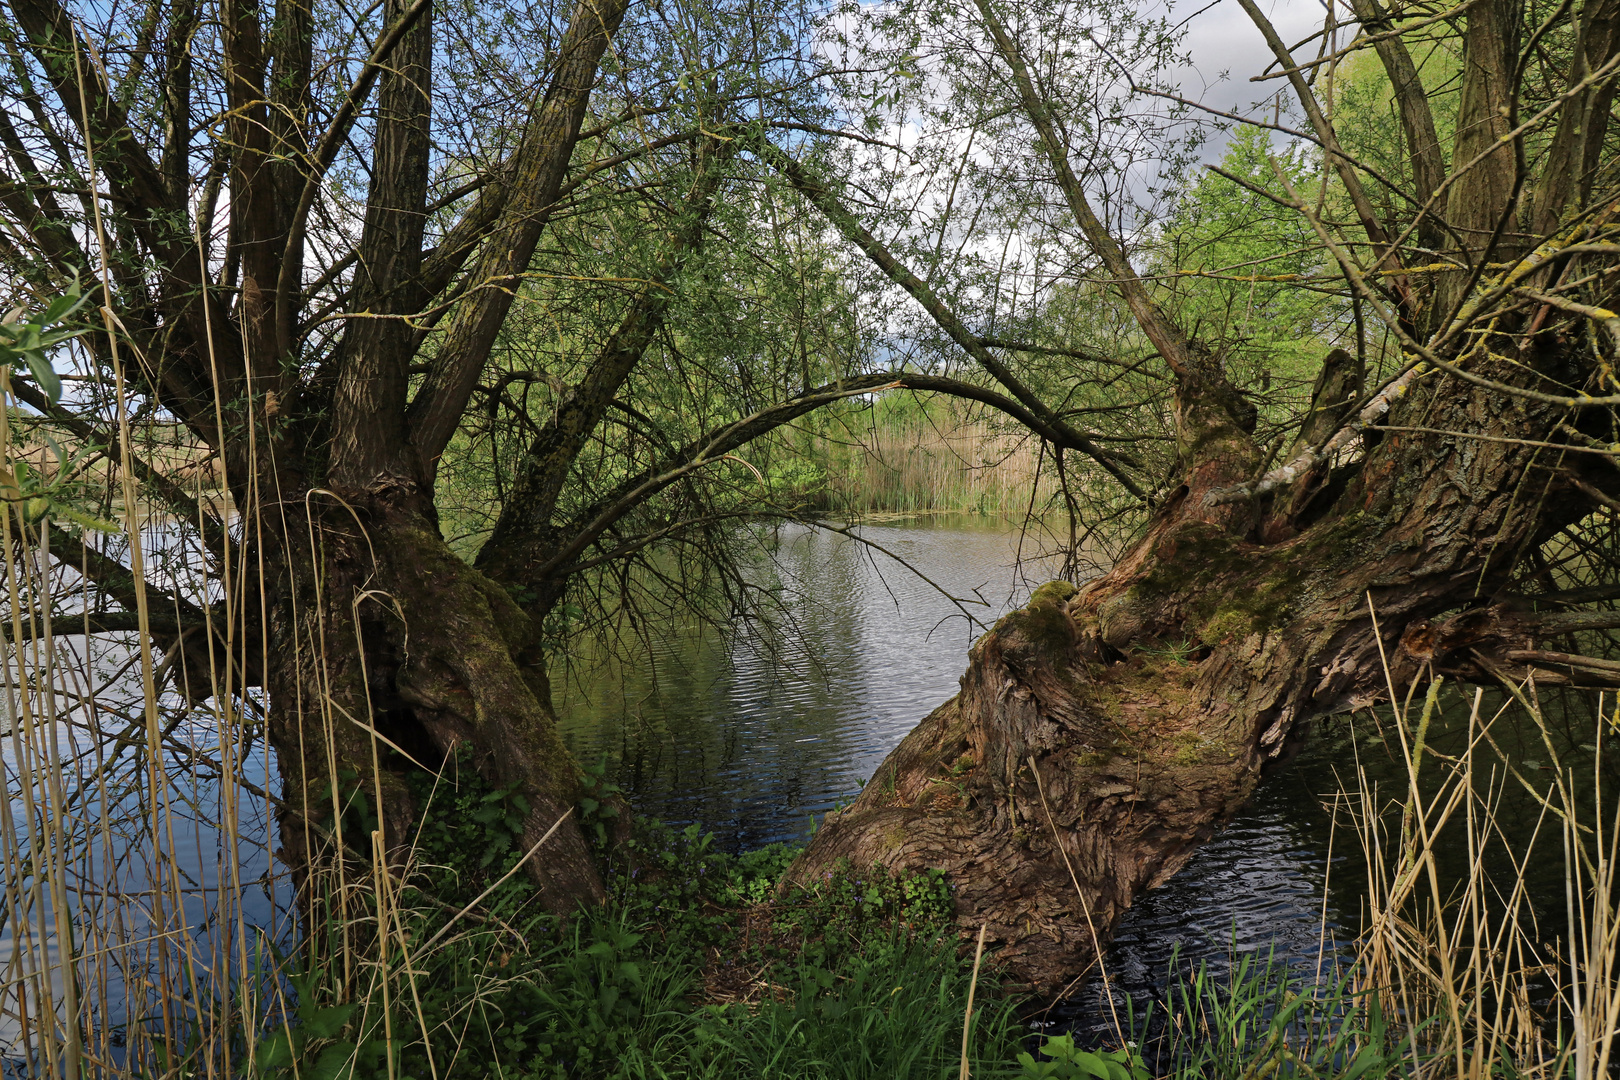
(386, 653)
(1080, 765)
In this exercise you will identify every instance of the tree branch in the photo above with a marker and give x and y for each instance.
(577, 413)
(1047, 423)
(183, 505)
(1417, 121)
(1167, 338)
(337, 133)
(540, 166)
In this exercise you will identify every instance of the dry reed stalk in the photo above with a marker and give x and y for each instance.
(1464, 957)
(967, 1015)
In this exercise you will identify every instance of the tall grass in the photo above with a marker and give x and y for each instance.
(1494, 986)
(134, 829)
(1456, 974)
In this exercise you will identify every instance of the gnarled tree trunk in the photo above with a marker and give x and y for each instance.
(1083, 762)
(389, 653)
(1080, 764)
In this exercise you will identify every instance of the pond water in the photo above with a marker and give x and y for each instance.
(754, 740)
(753, 735)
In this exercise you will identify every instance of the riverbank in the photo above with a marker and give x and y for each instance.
(694, 968)
(700, 967)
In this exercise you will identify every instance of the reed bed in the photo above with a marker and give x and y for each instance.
(1468, 965)
(917, 463)
(1456, 974)
(140, 898)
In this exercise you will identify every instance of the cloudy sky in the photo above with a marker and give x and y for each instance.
(1223, 40)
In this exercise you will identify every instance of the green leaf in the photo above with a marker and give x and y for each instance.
(88, 521)
(1365, 1059)
(1092, 1065)
(63, 305)
(43, 374)
(1059, 1046)
(275, 1052)
(327, 1022)
(333, 1063)
(56, 447)
(1035, 1070)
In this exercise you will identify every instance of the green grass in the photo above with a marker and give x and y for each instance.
(1265, 1018)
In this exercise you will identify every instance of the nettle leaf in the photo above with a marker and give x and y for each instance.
(334, 1062)
(276, 1051)
(327, 1022)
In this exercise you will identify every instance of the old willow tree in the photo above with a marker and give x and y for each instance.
(1451, 172)
(363, 276)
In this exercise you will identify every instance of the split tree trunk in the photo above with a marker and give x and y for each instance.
(1083, 762)
(381, 628)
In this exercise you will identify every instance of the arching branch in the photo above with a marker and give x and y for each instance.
(1047, 423)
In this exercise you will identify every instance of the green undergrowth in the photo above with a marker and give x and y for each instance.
(699, 967)
(694, 968)
(1263, 1018)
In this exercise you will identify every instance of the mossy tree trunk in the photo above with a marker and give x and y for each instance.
(390, 655)
(1102, 733)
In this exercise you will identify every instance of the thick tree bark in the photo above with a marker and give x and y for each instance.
(1084, 762)
(387, 652)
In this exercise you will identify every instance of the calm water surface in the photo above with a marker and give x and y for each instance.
(754, 736)
(752, 742)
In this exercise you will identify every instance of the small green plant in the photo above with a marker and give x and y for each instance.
(752, 876)
(1264, 1018)
(1173, 650)
(599, 802)
(1066, 1061)
(470, 834)
(310, 1044)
